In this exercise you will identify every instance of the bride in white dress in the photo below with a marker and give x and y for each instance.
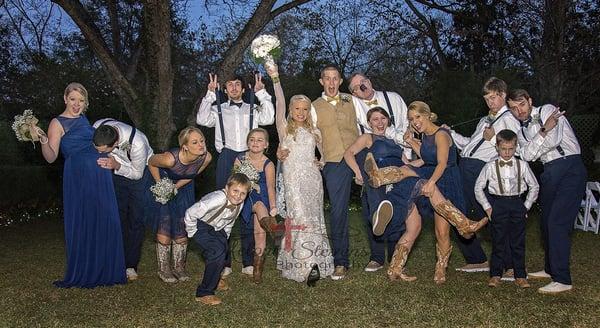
(305, 242)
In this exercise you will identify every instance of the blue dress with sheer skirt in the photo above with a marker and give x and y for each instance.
(93, 239)
(403, 194)
(450, 183)
(167, 219)
(255, 195)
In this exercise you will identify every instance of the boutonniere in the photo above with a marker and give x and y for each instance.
(345, 98)
(536, 119)
(125, 146)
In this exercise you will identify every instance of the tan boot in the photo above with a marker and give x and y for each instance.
(395, 271)
(386, 175)
(179, 260)
(439, 277)
(455, 217)
(163, 256)
(259, 262)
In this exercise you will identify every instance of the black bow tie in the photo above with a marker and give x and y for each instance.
(526, 122)
(239, 105)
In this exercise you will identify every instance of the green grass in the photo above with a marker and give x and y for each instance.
(32, 256)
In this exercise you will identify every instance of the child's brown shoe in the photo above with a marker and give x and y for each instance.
(209, 300)
(494, 281)
(522, 282)
(222, 286)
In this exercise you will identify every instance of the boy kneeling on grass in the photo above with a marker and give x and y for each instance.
(209, 223)
(507, 178)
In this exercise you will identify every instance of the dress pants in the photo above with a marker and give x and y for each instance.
(130, 200)
(213, 245)
(338, 180)
(508, 225)
(562, 187)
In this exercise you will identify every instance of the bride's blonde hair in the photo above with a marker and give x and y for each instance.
(292, 125)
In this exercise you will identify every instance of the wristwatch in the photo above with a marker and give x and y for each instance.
(543, 129)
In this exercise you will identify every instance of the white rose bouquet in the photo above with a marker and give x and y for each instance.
(246, 168)
(26, 129)
(265, 49)
(164, 190)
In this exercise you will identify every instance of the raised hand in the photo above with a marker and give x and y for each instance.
(272, 70)
(258, 84)
(552, 120)
(213, 83)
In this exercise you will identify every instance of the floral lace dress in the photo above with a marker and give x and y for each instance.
(305, 242)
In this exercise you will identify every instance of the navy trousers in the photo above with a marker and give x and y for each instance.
(508, 226)
(562, 187)
(471, 248)
(213, 245)
(130, 199)
(370, 199)
(224, 165)
(338, 180)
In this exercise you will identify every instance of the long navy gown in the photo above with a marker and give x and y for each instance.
(93, 239)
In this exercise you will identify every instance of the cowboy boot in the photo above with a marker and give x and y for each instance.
(439, 277)
(163, 256)
(386, 175)
(259, 262)
(179, 255)
(455, 217)
(273, 228)
(395, 271)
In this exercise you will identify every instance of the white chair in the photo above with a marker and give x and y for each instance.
(592, 212)
(580, 220)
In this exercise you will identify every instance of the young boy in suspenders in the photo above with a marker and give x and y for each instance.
(507, 178)
(209, 223)
(547, 135)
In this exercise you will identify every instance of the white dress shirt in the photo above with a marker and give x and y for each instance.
(210, 210)
(394, 132)
(487, 150)
(140, 150)
(534, 146)
(510, 182)
(236, 120)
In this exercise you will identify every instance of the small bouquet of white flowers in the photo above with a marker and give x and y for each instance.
(265, 49)
(26, 129)
(246, 168)
(164, 190)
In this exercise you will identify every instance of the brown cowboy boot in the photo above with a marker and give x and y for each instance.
(259, 262)
(455, 217)
(273, 228)
(385, 175)
(395, 271)
(439, 276)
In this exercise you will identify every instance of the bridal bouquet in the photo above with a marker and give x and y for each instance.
(26, 129)
(246, 168)
(164, 190)
(265, 49)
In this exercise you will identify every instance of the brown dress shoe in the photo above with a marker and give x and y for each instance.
(222, 286)
(494, 281)
(209, 300)
(522, 282)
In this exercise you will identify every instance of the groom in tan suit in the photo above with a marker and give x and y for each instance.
(335, 117)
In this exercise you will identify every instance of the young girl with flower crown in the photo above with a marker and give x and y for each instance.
(261, 200)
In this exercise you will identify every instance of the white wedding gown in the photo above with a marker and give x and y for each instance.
(305, 242)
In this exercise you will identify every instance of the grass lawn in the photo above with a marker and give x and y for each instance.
(32, 256)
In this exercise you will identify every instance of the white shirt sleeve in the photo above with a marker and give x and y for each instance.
(192, 215)
(206, 116)
(266, 115)
(480, 185)
(140, 153)
(532, 185)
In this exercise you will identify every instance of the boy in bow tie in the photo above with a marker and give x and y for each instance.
(507, 178)
(209, 223)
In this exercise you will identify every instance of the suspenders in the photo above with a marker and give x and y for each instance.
(220, 114)
(220, 210)
(559, 149)
(482, 139)
(500, 178)
(131, 136)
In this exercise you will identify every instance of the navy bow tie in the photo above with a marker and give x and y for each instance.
(525, 123)
(239, 105)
